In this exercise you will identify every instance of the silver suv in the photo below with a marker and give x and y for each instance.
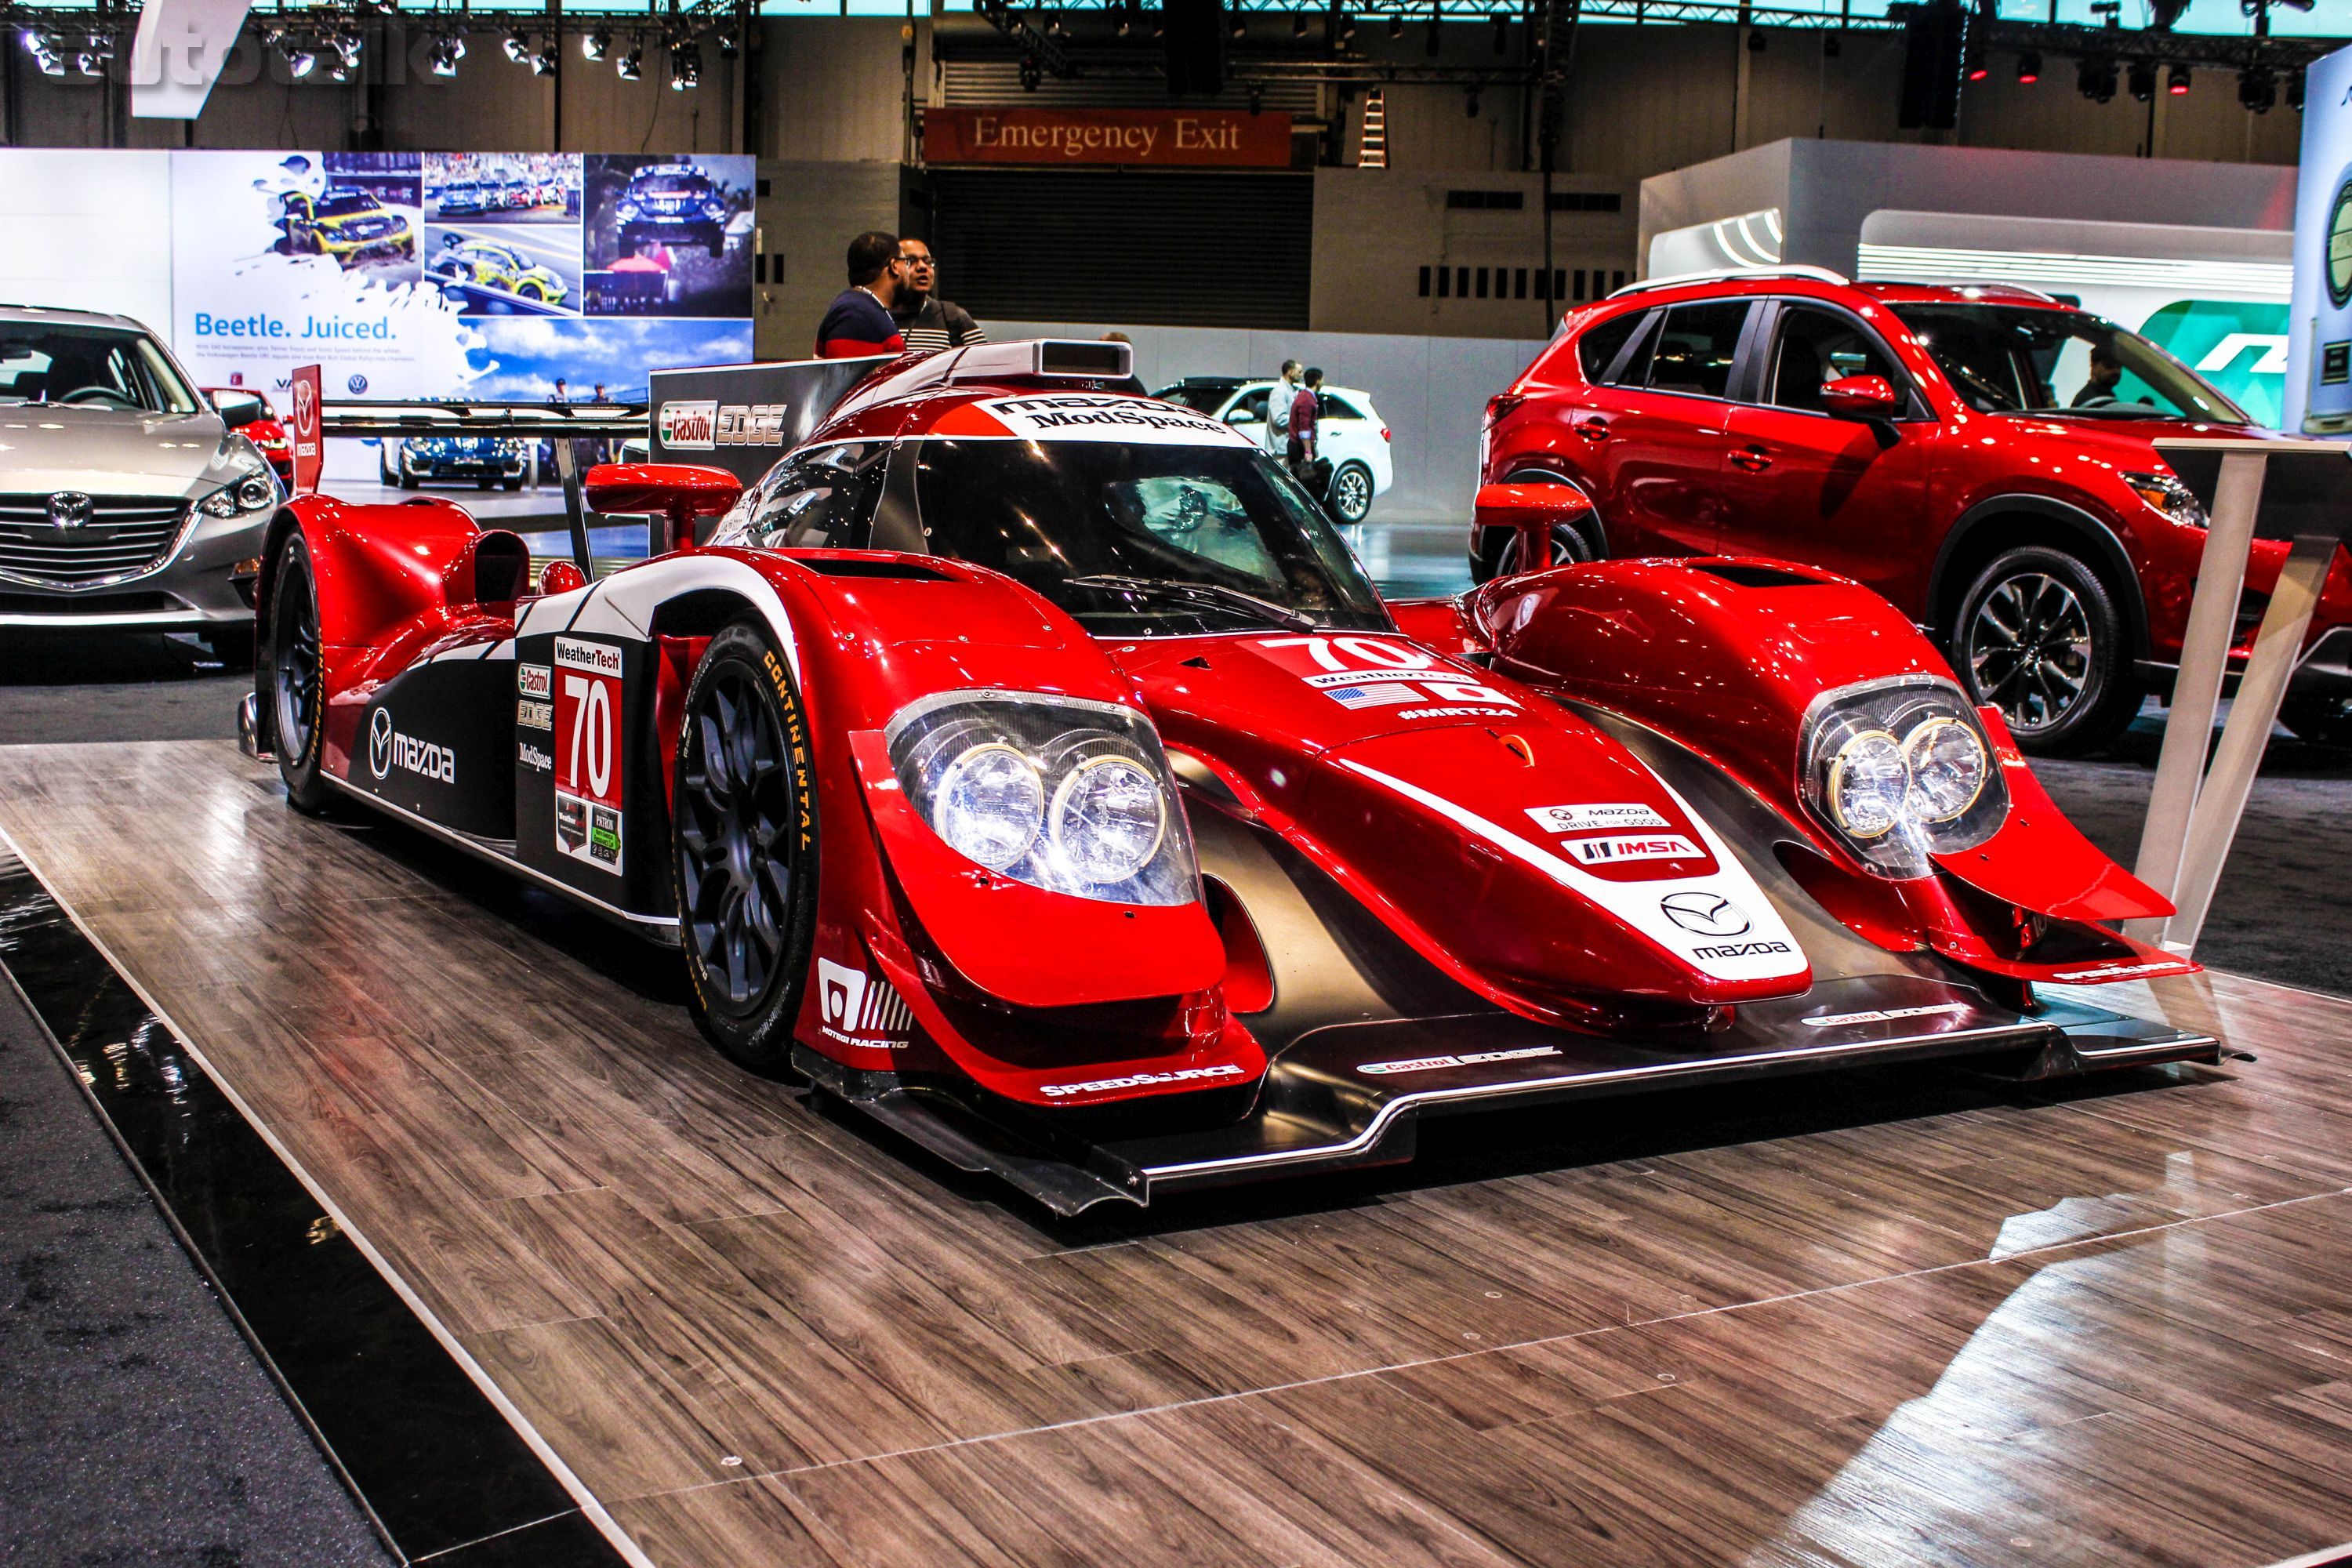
(126, 499)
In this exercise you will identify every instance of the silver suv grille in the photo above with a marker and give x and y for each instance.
(126, 535)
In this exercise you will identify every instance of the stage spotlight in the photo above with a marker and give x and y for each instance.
(2258, 90)
(2175, 81)
(684, 67)
(299, 58)
(46, 50)
(1977, 69)
(443, 55)
(544, 62)
(517, 47)
(631, 64)
(594, 43)
(2095, 79)
(2141, 79)
(729, 46)
(2029, 67)
(2162, 14)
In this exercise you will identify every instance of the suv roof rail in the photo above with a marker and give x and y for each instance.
(1725, 274)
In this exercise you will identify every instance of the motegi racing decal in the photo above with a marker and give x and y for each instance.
(1376, 672)
(588, 752)
(860, 1009)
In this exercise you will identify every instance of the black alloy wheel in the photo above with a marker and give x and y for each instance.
(2037, 635)
(744, 848)
(296, 684)
(1351, 493)
(2320, 720)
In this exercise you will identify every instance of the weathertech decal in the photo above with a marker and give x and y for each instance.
(1374, 672)
(1466, 1059)
(1107, 416)
(1884, 1015)
(1597, 814)
(1140, 1079)
(1651, 846)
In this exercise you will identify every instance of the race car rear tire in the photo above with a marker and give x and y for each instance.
(743, 855)
(293, 678)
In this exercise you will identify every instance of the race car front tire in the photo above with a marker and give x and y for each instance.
(294, 679)
(743, 855)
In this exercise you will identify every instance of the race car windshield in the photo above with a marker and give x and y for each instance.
(345, 205)
(1145, 540)
(672, 184)
(89, 367)
(2015, 359)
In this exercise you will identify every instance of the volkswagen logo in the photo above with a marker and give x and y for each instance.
(380, 745)
(69, 508)
(1704, 914)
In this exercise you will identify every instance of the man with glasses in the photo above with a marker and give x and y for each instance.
(929, 322)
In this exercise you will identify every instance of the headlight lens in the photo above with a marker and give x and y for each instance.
(2170, 496)
(1901, 770)
(250, 493)
(1062, 794)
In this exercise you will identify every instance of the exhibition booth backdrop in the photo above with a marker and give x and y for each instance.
(402, 275)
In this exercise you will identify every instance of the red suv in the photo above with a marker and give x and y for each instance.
(1980, 455)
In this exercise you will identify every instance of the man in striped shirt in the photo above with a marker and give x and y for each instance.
(929, 322)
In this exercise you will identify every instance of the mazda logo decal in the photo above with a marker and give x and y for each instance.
(380, 744)
(1704, 914)
(69, 508)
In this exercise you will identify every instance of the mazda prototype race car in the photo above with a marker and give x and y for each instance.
(1030, 765)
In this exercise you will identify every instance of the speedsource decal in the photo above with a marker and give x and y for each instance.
(689, 427)
(389, 749)
(1597, 814)
(1630, 846)
(1466, 1059)
(1142, 1080)
(1884, 1015)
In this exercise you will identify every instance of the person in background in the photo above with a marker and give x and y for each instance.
(560, 395)
(1305, 407)
(929, 322)
(857, 324)
(2107, 373)
(1278, 398)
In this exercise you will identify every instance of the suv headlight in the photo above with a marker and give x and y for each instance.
(1062, 794)
(252, 492)
(2170, 496)
(1901, 771)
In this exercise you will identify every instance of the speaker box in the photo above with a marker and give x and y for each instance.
(1194, 33)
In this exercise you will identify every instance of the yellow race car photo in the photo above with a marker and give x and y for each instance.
(345, 223)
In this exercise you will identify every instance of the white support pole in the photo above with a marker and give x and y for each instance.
(2197, 685)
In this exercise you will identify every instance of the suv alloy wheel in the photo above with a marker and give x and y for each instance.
(2037, 635)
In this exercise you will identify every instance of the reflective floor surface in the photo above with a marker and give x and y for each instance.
(1890, 1317)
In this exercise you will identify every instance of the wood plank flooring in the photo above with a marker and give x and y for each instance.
(1898, 1316)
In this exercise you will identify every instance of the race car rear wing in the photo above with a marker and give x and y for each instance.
(562, 424)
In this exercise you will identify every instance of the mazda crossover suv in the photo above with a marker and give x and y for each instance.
(1983, 456)
(126, 499)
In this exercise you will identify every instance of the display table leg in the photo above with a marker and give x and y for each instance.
(2278, 645)
(2197, 687)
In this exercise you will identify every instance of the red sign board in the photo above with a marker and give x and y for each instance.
(310, 453)
(1149, 138)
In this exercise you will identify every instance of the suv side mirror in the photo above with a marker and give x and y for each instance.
(675, 492)
(1531, 511)
(1859, 397)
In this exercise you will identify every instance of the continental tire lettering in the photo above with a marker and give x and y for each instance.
(796, 736)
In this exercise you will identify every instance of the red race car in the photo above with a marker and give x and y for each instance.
(1030, 765)
(1980, 455)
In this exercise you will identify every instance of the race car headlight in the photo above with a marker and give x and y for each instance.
(250, 493)
(1059, 793)
(1901, 771)
(628, 210)
(714, 209)
(2168, 495)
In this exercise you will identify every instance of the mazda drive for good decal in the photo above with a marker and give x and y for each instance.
(587, 752)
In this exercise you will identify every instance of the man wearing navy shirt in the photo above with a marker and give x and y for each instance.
(857, 324)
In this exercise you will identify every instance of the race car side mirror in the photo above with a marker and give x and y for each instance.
(1859, 396)
(674, 491)
(1533, 512)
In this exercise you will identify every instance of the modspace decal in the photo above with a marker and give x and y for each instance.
(1093, 416)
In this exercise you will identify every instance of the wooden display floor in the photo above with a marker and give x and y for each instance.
(1897, 1316)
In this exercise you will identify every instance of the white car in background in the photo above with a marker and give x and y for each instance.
(1351, 435)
